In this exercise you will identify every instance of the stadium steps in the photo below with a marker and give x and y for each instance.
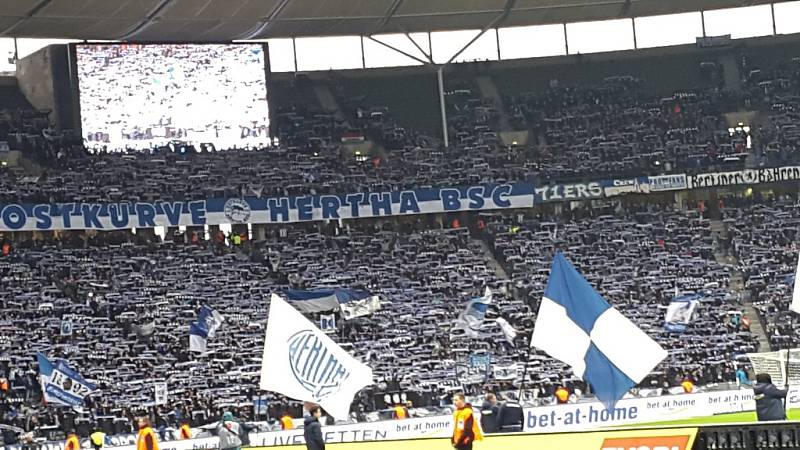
(492, 262)
(489, 90)
(328, 101)
(731, 73)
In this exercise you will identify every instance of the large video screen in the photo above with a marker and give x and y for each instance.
(140, 96)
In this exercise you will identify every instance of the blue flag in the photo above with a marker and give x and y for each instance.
(578, 327)
(61, 384)
(208, 321)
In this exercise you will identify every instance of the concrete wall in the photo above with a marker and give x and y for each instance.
(46, 79)
(35, 79)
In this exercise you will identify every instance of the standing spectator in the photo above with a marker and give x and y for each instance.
(769, 399)
(313, 430)
(742, 378)
(489, 411)
(466, 429)
(146, 440)
(229, 432)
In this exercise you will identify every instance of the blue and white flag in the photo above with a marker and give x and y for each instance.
(795, 305)
(508, 330)
(679, 312)
(61, 384)
(208, 321)
(303, 363)
(353, 303)
(578, 327)
(474, 314)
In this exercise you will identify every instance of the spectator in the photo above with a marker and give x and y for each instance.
(229, 432)
(769, 399)
(489, 410)
(465, 428)
(313, 429)
(742, 378)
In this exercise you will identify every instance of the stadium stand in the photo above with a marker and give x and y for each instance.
(127, 299)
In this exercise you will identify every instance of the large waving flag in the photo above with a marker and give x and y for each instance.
(471, 319)
(578, 326)
(208, 322)
(795, 306)
(61, 384)
(303, 363)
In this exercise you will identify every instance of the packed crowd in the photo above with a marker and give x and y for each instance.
(655, 255)
(765, 242)
(128, 302)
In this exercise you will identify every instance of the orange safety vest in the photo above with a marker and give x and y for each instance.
(562, 395)
(186, 432)
(688, 386)
(400, 413)
(6, 249)
(466, 429)
(141, 443)
(72, 443)
(3, 384)
(286, 423)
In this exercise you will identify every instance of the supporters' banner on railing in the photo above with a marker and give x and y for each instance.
(568, 192)
(638, 185)
(117, 216)
(749, 176)
(674, 182)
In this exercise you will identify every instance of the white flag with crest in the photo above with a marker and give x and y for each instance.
(303, 363)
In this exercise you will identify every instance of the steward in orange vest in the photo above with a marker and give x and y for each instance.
(286, 422)
(466, 429)
(147, 438)
(400, 412)
(186, 431)
(72, 442)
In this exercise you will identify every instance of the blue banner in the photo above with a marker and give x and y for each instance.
(116, 216)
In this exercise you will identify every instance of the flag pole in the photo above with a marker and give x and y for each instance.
(525, 371)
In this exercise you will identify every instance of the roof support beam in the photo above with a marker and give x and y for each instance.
(32, 12)
(497, 21)
(406, 54)
(265, 22)
(427, 55)
(388, 16)
(141, 26)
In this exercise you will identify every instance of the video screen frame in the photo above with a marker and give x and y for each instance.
(77, 95)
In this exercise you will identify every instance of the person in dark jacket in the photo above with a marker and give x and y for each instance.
(313, 430)
(489, 411)
(769, 399)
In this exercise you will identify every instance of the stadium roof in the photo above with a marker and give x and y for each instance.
(225, 20)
